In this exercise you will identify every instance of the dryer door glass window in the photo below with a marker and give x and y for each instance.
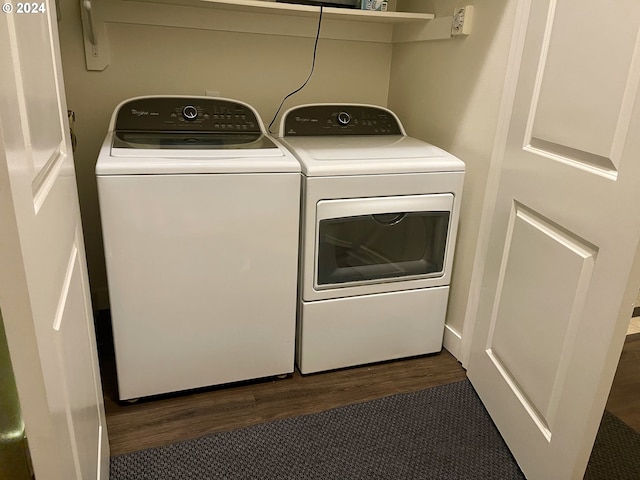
(388, 246)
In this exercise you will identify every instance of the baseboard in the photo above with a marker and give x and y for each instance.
(452, 341)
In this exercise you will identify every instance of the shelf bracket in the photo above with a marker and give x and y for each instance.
(437, 29)
(96, 50)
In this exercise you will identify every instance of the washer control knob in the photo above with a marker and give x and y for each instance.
(344, 118)
(190, 112)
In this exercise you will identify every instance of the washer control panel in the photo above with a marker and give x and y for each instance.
(326, 119)
(195, 114)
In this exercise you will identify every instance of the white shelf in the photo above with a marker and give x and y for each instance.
(266, 17)
(331, 13)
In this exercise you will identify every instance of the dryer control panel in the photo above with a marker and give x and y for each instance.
(330, 119)
(194, 114)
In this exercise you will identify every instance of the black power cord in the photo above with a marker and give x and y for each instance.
(313, 66)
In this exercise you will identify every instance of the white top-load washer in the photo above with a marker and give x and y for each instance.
(379, 217)
(200, 220)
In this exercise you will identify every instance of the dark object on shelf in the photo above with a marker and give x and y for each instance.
(330, 3)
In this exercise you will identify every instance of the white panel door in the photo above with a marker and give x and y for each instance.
(44, 290)
(558, 284)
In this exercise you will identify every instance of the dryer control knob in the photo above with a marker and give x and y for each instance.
(344, 118)
(190, 112)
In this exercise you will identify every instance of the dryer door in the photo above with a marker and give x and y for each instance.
(363, 241)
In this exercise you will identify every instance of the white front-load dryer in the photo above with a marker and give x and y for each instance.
(379, 223)
(200, 221)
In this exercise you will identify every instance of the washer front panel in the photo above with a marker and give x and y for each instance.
(190, 264)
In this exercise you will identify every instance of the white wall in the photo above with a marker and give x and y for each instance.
(148, 60)
(448, 93)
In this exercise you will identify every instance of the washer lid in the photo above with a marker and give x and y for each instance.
(192, 145)
(369, 155)
(167, 135)
(150, 161)
(190, 141)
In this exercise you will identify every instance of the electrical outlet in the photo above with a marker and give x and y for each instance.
(461, 24)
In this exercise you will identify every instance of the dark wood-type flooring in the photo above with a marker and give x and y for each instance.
(170, 418)
(167, 419)
(624, 398)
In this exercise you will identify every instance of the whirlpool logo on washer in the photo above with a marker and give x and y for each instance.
(143, 113)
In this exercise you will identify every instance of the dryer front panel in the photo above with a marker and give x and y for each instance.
(383, 243)
(370, 240)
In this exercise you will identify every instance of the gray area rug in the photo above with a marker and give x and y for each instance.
(616, 451)
(440, 433)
